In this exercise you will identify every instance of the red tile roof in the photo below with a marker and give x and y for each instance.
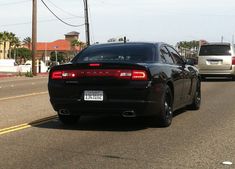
(59, 45)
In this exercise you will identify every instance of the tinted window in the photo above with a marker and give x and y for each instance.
(208, 50)
(165, 56)
(118, 53)
(177, 58)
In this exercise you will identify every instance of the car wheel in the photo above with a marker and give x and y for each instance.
(68, 119)
(203, 78)
(197, 99)
(233, 78)
(166, 114)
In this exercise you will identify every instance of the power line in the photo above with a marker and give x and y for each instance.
(26, 23)
(64, 10)
(14, 3)
(59, 17)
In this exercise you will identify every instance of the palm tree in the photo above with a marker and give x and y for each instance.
(1, 36)
(13, 40)
(16, 44)
(27, 41)
(5, 39)
(76, 43)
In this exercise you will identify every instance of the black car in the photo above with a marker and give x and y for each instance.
(126, 79)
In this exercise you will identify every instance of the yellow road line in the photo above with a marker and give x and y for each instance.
(22, 96)
(16, 129)
(26, 125)
(13, 127)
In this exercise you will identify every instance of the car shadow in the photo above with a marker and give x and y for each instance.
(218, 80)
(182, 110)
(108, 123)
(118, 124)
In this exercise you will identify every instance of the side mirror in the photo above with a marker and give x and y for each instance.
(191, 61)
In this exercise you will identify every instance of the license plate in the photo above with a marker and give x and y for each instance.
(93, 95)
(214, 63)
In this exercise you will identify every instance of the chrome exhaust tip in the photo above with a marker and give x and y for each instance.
(64, 112)
(130, 113)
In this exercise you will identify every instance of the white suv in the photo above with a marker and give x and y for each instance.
(216, 59)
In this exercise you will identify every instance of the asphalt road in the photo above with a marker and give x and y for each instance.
(196, 139)
(23, 100)
(22, 85)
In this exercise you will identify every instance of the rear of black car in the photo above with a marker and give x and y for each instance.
(112, 79)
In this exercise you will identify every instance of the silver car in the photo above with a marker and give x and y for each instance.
(217, 59)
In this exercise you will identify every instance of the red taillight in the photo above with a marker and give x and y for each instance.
(124, 74)
(56, 75)
(233, 60)
(69, 74)
(94, 64)
(133, 75)
(116, 73)
(139, 75)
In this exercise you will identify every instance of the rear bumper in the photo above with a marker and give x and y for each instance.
(217, 72)
(111, 107)
(143, 100)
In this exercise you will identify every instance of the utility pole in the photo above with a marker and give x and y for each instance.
(34, 37)
(233, 39)
(86, 23)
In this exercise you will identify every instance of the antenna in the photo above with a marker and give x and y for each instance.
(124, 39)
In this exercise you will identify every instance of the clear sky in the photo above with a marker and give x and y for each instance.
(140, 20)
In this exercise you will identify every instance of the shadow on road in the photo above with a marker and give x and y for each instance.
(218, 79)
(99, 124)
(118, 124)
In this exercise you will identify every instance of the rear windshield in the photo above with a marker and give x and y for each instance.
(117, 53)
(209, 50)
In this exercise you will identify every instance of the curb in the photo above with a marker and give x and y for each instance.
(3, 75)
(8, 75)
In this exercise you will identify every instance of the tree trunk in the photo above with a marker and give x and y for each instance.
(4, 50)
(10, 53)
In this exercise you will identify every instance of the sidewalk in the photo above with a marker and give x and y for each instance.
(7, 75)
(4, 75)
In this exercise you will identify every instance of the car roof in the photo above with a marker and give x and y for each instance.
(127, 43)
(216, 43)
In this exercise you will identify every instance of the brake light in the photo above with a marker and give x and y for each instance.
(139, 75)
(69, 74)
(56, 75)
(124, 74)
(116, 73)
(94, 64)
(233, 60)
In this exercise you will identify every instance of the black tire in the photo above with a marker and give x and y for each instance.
(68, 119)
(166, 114)
(233, 78)
(203, 78)
(196, 103)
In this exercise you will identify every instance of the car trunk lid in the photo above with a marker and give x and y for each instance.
(215, 62)
(96, 73)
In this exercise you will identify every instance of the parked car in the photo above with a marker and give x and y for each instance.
(127, 79)
(217, 59)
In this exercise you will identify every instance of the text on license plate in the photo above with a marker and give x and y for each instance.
(93, 95)
(214, 63)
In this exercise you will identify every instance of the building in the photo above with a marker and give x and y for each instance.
(65, 46)
(71, 36)
(4, 55)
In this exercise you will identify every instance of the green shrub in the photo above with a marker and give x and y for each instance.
(29, 74)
